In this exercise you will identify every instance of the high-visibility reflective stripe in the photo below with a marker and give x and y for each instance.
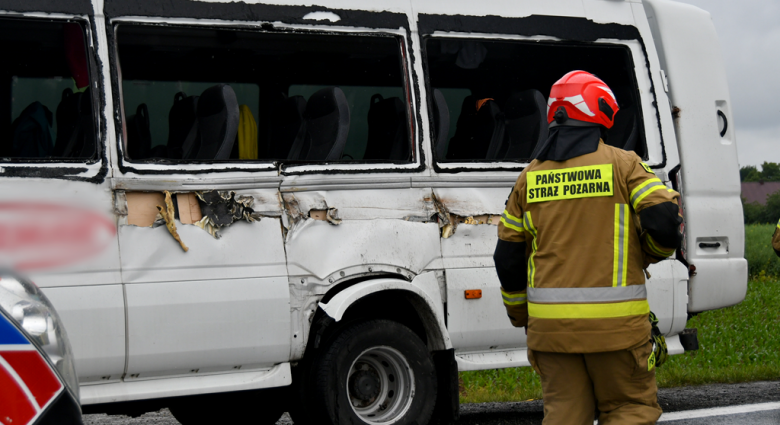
(587, 295)
(657, 249)
(514, 299)
(529, 226)
(512, 222)
(778, 224)
(588, 311)
(620, 261)
(644, 189)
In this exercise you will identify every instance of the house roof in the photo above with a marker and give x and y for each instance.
(759, 191)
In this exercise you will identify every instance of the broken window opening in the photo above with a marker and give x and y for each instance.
(217, 95)
(47, 109)
(489, 98)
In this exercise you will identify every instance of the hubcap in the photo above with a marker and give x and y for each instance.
(380, 385)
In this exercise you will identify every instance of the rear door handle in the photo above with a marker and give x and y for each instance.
(709, 245)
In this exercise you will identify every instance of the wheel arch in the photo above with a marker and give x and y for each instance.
(392, 298)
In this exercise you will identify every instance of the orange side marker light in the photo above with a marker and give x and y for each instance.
(473, 294)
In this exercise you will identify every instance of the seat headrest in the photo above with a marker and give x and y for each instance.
(526, 124)
(523, 103)
(387, 130)
(327, 125)
(489, 130)
(183, 127)
(218, 117)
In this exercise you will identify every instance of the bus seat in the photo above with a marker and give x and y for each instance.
(75, 127)
(31, 133)
(458, 148)
(288, 127)
(217, 122)
(183, 127)
(526, 123)
(441, 123)
(139, 136)
(387, 130)
(327, 127)
(624, 132)
(489, 131)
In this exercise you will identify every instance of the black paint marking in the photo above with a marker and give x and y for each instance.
(240, 11)
(72, 7)
(566, 28)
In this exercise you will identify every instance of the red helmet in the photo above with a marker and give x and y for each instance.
(582, 96)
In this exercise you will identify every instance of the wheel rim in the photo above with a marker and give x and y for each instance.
(380, 385)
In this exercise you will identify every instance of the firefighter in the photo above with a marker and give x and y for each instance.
(776, 239)
(581, 225)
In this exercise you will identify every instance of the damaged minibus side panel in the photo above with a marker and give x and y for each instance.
(221, 304)
(201, 238)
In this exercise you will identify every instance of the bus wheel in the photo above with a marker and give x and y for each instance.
(376, 372)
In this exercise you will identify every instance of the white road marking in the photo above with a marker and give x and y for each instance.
(718, 411)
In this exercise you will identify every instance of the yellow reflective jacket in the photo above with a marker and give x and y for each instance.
(585, 249)
(776, 239)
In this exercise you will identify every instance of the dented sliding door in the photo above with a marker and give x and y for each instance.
(205, 278)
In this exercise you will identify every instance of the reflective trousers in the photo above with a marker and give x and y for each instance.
(614, 385)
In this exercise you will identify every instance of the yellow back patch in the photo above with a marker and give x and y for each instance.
(647, 168)
(570, 183)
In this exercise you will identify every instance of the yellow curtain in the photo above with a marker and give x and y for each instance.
(247, 134)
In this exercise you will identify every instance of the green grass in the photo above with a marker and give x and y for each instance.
(758, 250)
(736, 344)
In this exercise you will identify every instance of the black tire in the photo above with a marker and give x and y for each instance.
(375, 372)
(261, 407)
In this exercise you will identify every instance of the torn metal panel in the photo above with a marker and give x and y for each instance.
(470, 202)
(365, 204)
(167, 213)
(221, 208)
(331, 215)
(318, 249)
(149, 254)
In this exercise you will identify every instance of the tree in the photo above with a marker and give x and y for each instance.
(746, 171)
(772, 208)
(770, 171)
(754, 212)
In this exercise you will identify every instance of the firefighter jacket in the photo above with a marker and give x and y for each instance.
(776, 239)
(585, 251)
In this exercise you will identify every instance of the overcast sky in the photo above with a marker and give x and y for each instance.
(749, 32)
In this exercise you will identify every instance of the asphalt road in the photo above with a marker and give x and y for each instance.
(526, 413)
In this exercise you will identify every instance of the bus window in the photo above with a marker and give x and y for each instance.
(496, 94)
(47, 111)
(286, 97)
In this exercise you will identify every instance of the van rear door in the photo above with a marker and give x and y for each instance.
(708, 178)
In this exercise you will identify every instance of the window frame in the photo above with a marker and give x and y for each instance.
(650, 124)
(94, 168)
(266, 167)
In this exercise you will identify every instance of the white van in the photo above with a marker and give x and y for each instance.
(327, 187)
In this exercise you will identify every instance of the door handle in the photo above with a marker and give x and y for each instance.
(709, 245)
